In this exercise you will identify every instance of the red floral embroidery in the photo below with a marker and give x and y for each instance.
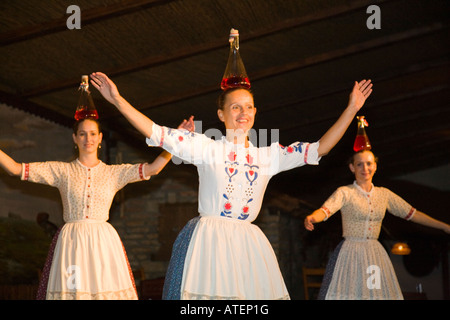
(27, 171)
(410, 214)
(227, 206)
(249, 159)
(141, 171)
(162, 138)
(232, 156)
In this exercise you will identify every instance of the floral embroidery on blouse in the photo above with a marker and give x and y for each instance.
(251, 174)
(232, 178)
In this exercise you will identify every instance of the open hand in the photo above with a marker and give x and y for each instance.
(361, 91)
(105, 86)
(188, 124)
(309, 223)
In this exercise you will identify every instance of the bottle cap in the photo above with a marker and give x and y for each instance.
(234, 32)
(84, 79)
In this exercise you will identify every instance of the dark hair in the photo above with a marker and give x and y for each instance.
(351, 160)
(77, 124)
(223, 96)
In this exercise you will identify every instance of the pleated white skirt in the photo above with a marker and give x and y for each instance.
(231, 259)
(363, 271)
(90, 263)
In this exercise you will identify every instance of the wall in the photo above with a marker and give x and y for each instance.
(27, 138)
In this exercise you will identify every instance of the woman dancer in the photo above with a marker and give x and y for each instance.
(221, 254)
(363, 207)
(87, 259)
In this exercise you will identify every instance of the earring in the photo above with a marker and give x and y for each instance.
(75, 146)
(99, 146)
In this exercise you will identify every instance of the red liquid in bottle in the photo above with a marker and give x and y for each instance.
(83, 114)
(361, 143)
(234, 82)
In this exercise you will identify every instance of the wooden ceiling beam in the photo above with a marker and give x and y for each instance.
(417, 69)
(388, 75)
(20, 103)
(210, 46)
(89, 16)
(379, 105)
(303, 63)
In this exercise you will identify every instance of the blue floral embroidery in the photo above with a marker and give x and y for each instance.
(231, 172)
(226, 208)
(251, 174)
(244, 215)
(180, 133)
(296, 147)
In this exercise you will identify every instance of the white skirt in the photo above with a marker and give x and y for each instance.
(231, 259)
(90, 263)
(363, 271)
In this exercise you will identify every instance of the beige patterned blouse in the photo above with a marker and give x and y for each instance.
(363, 212)
(86, 193)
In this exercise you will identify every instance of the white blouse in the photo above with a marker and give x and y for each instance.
(232, 178)
(363, 212)
(86, 193)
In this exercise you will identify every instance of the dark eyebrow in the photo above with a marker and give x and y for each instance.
(84, 131)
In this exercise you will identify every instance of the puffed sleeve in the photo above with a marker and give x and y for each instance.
(397, 206)
(295, 155)
(334, 203)
(127, 173)
(188, 146)
(50, 172)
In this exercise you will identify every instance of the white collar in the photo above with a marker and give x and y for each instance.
(84, 166)
(362, 190)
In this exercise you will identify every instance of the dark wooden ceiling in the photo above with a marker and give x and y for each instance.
(302, 57)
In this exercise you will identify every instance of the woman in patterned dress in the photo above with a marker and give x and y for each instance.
(220, 254)
(348, 275)
(87, 259)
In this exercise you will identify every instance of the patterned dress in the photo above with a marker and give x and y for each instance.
(220, 254)
(360, 268)
(87, 259)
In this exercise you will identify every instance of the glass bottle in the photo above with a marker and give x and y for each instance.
(235, 74)
(362, 140)
(85, 107)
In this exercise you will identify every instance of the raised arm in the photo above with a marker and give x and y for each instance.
(110, 92)
(361, 91)
(11, 167)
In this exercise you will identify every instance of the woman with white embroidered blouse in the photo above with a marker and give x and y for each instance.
(363, 207)
(86, 259)
(221, 254)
